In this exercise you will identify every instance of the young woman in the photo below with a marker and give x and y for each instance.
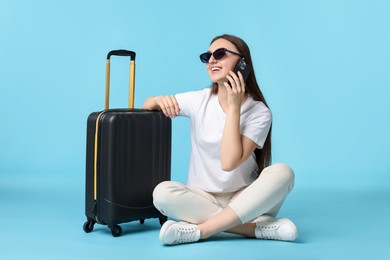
(231, 185)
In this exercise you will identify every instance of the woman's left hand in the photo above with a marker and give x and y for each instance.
(236, 90)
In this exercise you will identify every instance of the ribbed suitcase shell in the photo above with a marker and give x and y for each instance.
(133, 155)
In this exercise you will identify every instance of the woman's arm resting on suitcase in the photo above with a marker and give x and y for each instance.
(167, 104)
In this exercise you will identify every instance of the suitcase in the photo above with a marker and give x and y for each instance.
(128, 154)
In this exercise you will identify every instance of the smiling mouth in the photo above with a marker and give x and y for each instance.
(215, 69)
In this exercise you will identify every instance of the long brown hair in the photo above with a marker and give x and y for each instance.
(263, 156)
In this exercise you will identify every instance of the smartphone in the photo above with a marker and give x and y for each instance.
(243, 67)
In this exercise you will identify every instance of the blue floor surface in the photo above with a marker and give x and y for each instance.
(42, 217)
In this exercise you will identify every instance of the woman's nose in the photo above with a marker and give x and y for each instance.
(212, 59)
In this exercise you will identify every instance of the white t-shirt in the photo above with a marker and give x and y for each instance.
(207, 124)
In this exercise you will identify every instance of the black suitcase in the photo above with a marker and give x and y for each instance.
(128, 154)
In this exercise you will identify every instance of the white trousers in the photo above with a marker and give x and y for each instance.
(264, 196)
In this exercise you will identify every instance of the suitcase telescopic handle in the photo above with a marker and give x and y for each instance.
(121, 53)
(131, 54)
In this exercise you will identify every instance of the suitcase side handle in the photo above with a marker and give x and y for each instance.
(131, 54)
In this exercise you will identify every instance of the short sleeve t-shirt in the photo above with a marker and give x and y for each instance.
(207, 124)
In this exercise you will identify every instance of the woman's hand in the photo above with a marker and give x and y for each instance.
(167, 104)
(236, 90)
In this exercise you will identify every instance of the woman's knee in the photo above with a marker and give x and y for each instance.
(284, 172)
(163, 191)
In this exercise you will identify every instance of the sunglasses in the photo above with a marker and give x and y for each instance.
(217, 54)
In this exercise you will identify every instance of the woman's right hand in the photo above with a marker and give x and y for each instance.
(167, 104)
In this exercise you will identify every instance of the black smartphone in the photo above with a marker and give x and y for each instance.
(243, 67)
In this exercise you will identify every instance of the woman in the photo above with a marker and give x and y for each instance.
(231, 186)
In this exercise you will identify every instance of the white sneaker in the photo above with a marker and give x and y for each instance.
(173, 233)
(268, 227)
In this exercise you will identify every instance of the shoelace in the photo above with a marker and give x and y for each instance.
(185, 234)
(268, 232)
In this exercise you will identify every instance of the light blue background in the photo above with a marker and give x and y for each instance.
(323, 67)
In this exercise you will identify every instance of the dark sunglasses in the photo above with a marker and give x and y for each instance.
(217, 54)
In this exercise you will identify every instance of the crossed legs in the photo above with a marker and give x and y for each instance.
(234, 212)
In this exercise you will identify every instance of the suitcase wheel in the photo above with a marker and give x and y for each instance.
(163, 220)
(88, 226)
(116, 230)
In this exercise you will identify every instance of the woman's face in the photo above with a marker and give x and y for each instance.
(219, 69)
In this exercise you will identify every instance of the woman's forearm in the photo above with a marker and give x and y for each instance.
(231, 145)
